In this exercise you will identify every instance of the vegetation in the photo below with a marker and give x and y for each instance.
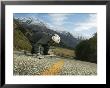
(20, 40)
(87, 50)
(63, 52)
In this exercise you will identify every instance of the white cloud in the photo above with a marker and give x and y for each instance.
(91, 22)
(86, 28)
(56, 28)
(58, 19)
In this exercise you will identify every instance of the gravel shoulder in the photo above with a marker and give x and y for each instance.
(31, 65)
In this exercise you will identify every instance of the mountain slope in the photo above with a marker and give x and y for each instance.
(20, 40)
(67, 39)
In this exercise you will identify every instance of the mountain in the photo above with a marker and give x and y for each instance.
(21, 42)
(68, 39)
(28, 28)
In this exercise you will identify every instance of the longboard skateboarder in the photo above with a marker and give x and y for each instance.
(41, 41)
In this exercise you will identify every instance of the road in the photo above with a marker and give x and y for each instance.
(51, 65)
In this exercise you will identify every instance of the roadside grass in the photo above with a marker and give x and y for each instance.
(63, 52)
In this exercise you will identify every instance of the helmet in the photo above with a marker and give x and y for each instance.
(56, 38)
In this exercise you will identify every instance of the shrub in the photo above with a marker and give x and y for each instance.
(87, 50)
(20, 41)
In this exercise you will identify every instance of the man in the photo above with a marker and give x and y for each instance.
(41, 41)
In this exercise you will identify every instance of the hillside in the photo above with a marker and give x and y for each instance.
(27, 28)
(20, 41)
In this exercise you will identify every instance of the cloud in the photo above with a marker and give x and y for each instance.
(91, 22)
(58, 19)
(56, 28)
(86, 28)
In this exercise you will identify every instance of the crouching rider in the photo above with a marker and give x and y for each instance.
(41, 41)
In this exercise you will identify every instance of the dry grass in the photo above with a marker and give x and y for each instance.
(67, 53)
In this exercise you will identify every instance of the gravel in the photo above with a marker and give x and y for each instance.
(31, 65)
(74, 67)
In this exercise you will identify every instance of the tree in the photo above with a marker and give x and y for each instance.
(87, 49)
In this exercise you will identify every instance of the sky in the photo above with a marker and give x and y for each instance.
(78, 24)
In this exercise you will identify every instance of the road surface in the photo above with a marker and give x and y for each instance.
(51, 65)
